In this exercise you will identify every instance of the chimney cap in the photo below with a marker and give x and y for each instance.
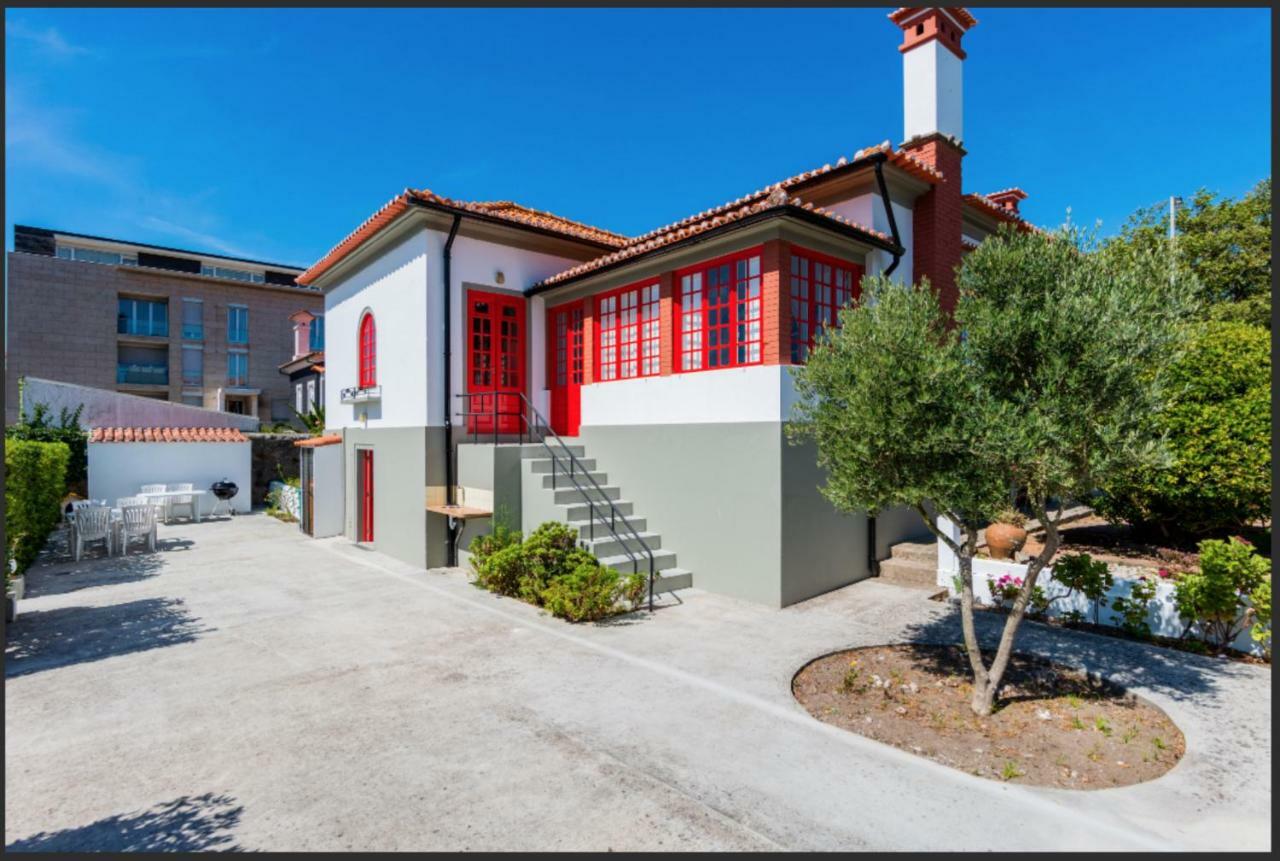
(923, 24)
(302, 316)
(1007, 198)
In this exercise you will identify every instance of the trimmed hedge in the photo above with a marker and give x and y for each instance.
(35, 484)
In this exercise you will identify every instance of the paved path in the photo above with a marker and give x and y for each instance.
(250, 688)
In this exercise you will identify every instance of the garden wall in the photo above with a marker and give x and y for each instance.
(273, 455)
(1162, 614)
(290, 498)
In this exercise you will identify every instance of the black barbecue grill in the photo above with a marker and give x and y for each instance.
(225, 491)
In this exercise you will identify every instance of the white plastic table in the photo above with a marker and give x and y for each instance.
(156, 496)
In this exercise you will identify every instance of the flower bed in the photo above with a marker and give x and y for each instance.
(284, 501)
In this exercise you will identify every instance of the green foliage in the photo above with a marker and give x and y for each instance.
(1217, 424)
(35, 483)
(312, 419)
(39, 426)
(586, 594)
(1260, 600)
(1214, 599)
(1223, 247)
(1135, 607)
(548, 569)
(1081, 573)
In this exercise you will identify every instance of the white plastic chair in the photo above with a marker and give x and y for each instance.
(137, 521)
(131, 500)
(187, 502)
(161, 505)
(93, 523)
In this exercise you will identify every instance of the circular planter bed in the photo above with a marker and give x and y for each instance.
(1053, 726)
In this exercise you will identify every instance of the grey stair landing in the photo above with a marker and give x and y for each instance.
(623, 553)
(912, 564)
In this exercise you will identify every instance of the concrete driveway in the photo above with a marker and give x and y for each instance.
(249, 688)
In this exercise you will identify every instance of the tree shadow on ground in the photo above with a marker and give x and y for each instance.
(75, 635)
(56, 573)
(203, 823)
(1177, 675)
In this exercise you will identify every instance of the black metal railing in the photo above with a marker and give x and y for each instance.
(523, 420)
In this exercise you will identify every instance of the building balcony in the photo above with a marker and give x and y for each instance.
(143, 375)
(142, 328)
(358, 395)
(191, 332)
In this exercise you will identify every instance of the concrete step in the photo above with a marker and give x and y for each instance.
(563, 481)
(537, 449)
(577, 511)
(605, 544)
(671, 579)
(662, 560)
(571, 495)
(915, 551)
(584, 526)
(904, 572)
(543, 464)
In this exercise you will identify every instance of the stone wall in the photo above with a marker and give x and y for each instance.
(269, 451)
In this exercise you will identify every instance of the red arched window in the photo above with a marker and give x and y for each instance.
(368, 352)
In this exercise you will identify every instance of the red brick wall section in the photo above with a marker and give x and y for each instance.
(588, 340)
(775, 309)
(938, 219)
(667, 322)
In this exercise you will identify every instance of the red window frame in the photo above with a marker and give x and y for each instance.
(628, 332)
(368, 351)
(720, 312)
(820, 286)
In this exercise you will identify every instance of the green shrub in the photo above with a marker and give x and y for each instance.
(503, 572)
(1134, 608)
(37, 426)
(587, 593)
(1260, 600)
(1218, 432)
(1080, 572)
(483, 547)
(35, 484)
(541, 571)
(1213, 600)
(635, 590)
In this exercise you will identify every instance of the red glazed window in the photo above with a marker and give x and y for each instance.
(720, 314)
(368, 352)
(820, 286)
(627, 333)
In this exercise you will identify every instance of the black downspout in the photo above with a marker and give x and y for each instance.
(893, 222)
(873, 562)
(450, 494)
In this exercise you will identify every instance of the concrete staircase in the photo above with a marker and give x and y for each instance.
(561, 500)
(912, 564)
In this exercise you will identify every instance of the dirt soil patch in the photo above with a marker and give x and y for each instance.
(1054, 726)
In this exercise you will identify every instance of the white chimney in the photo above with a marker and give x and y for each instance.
(933, 70)
(301, 332)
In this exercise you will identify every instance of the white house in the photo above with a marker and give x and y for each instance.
(662, 362)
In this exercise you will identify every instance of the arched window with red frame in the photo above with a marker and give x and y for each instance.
(368, 352)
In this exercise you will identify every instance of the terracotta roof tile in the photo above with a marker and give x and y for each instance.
(960, 13)
(983, 203)
(167, 435)
(317, 441)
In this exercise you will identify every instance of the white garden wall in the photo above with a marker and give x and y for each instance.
(119, 469)
(1162, 614)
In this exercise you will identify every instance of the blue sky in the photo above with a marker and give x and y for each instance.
(273, 133)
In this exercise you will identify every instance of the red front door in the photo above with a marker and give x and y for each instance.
(495, 361)
(364, 465)
(564, 367)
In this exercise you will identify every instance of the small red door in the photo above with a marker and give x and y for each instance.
(364, 465)
(495, 361)
(564, 367)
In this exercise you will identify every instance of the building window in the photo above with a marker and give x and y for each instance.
(720, 314)
(192, 366)
(627, 333)
(820, 287)
(237, 324)
(92, 255)
(143, 317)
(311, 395)
(237, 369)
(368, 352)
(317, 334)
(300, 405)
(192, 320)
(233, 274)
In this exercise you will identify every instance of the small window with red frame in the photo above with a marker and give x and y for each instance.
(820, 287)
(628, 333)
(720, 314)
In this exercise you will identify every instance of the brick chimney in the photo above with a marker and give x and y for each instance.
(301, 332)
(1008, 199)
(933, 131)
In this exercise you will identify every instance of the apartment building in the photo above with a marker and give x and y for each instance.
(202, 329)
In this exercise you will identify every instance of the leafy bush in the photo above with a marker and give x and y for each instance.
(35, 483)
(1134, 608)
(483, 547)
(1214, 599)
(503, 572)
(1218, 433)
(586, 594)
(38, 426)
(1260, 599)
(1080, 572)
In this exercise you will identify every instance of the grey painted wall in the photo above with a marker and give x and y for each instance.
(400, 481)
(494, 470)
(899, 524)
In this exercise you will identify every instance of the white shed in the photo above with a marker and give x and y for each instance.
(322, 486)
(121, 460)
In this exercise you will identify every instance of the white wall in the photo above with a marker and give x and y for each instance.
(932, 91)
(761, 393)
(394, 287)
(867, 210)
(105, 408)
(119, 469)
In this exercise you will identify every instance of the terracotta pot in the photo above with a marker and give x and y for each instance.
(1005, 539)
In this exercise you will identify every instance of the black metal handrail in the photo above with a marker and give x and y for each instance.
(538, 430)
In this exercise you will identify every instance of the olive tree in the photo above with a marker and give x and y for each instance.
(1041, 382)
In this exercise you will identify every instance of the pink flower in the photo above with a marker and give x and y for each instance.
(1164, 573)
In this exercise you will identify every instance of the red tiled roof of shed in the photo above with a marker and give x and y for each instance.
(317, 441)
(167, 435)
